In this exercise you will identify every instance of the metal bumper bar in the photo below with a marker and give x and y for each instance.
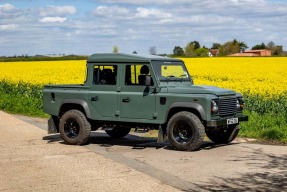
(222, 122)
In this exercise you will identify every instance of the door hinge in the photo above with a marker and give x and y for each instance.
(154, 115)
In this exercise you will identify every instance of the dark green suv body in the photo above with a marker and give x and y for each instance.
(129, 91)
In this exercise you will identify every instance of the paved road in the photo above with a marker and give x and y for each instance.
(29, 161)
(235, 167)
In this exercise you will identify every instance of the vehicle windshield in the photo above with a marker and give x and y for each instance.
(167, 72)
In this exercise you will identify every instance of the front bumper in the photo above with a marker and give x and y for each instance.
(223, 121)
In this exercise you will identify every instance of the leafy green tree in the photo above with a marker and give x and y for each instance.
(202, 52)
(242, 46)
(216, 46)
(196, 45)
(232, 47)
(189, 50)
(178, 51)
(229, 48)
(275, 49)
(259, 46)
(279, 50)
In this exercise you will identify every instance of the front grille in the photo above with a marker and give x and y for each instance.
(227, 106)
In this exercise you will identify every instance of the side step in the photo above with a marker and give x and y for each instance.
(141, 130)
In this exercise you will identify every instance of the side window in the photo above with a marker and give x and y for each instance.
(105, 74)
(135, 74)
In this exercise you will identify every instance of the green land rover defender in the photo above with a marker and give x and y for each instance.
(125, 91)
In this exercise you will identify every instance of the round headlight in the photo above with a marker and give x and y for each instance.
(237, 104)
(214, 107)
(240, 104)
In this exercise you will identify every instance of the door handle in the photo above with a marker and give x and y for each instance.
(126, 99)
(95, 98)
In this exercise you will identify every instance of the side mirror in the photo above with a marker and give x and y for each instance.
(148, 81)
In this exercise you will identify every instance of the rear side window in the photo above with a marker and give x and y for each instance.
(105, 75)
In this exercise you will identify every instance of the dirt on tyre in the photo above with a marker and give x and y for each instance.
(185, 131)
(224, 136)
(118, 132)
(75, 128)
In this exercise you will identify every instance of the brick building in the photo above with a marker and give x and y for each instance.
(253, 53)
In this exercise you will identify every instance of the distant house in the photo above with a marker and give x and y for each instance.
(213, 52)
(253, 53)
(260, 52)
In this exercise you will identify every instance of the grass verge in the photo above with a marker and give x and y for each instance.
(21, 98)
(268, 127)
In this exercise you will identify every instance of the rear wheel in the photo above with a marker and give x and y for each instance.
(185, 131)
(75, 128)
(118, 132)
(224, 136)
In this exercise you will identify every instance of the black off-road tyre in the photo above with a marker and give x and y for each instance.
(185, 131)
(224, 136)
(75, 128)
(118, 132)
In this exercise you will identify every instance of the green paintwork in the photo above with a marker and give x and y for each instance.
(136, 103)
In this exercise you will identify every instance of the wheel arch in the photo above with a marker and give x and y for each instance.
(195, 108)
(77, 104)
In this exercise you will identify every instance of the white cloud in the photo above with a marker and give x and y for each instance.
(113, 11)
(8, 27)
(144, 2)
(145, 13)
(137, 25)
(257, 29)
(53, 19)
(57, 11)
(6, 7)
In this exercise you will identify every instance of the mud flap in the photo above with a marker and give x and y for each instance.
(53, 125)
(234, 132)
(161, 135)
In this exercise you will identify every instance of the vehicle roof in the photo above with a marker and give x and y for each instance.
(126, 58)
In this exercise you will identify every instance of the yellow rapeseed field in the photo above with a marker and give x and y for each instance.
(246, 75)
(250, 75)
(44, 72)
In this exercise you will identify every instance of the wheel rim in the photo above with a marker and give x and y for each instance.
(182, 132)
(71, 128)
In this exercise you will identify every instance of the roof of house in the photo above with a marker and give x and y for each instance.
(214, 51)
(256, 51)
(243, 55)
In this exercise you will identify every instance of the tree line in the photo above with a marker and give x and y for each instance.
(193, 49)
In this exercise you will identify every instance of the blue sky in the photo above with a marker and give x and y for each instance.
(85, 27)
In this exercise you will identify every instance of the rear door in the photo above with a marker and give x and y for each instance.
(103, 94)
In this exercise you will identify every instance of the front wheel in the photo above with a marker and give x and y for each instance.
(74, 127)
(223, 136)
(185, 131)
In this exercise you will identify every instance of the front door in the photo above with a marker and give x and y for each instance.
(137, 101)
